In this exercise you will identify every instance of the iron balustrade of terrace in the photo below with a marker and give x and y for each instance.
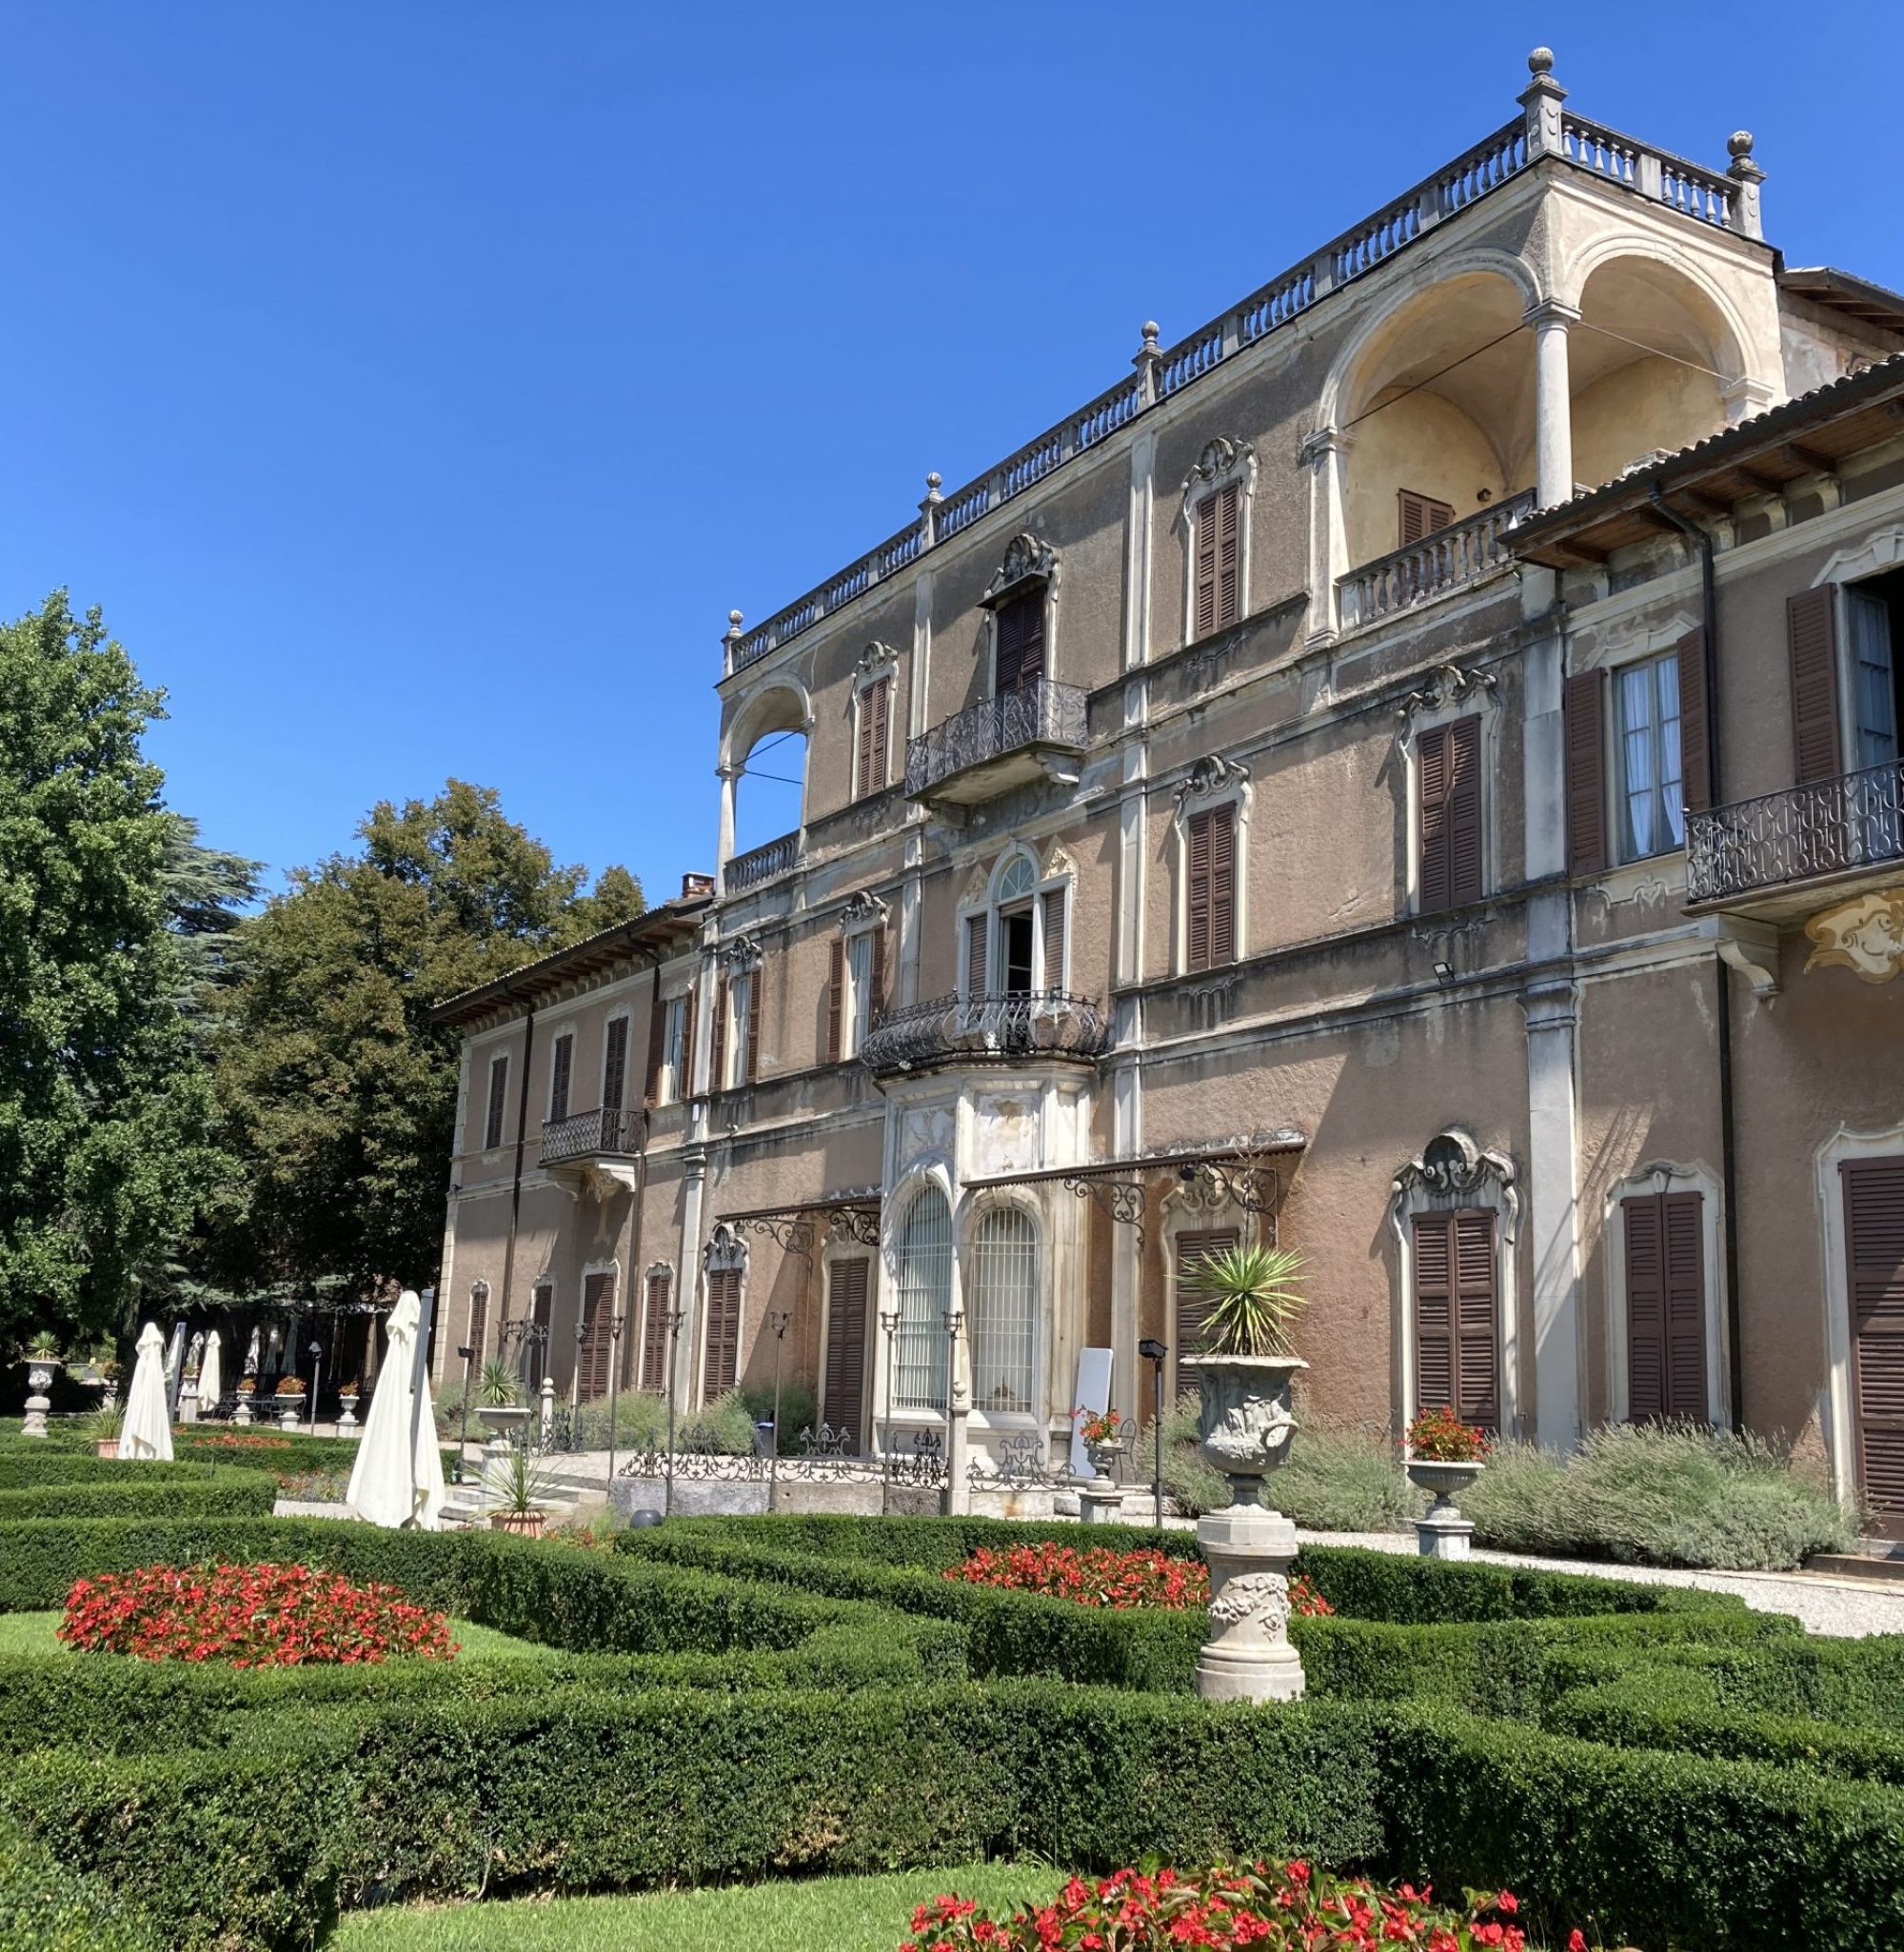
(761, 864)
(1803, 833)
(993, 1028)
(590, 1135)
(1445, 559)
(1724, 201)
(1041, 713)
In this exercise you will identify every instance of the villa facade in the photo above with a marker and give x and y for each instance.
(1410, 772)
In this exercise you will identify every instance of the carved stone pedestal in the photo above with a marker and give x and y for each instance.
(1248, 1656)
(39, 1380)
(1444, 1535)
(1100, 1502)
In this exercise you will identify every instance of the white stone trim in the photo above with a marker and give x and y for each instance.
(1210, 782)
(1835, 1403)
(1880, 552)
(1463, 1175)
(1665, 1175)
(1223, 462)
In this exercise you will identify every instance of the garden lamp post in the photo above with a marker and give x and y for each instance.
(778, 1320)
(468, 1355)
(316, 1355)
(1153, 1352)
(614, 1385)
(889, 1326)
(956, 1407)
(675, 1318)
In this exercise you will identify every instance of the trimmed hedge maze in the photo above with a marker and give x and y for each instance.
(742, 1699)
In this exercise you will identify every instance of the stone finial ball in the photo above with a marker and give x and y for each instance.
(734, 617)
(1150, 328)
(1541, 61)
(932, 481)
(1739, 143)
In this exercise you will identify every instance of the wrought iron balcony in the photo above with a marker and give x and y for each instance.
(1753, 850)
(998, 743)
(761, 864)
(606, 1133)
(1444, 559)
(988, 1029)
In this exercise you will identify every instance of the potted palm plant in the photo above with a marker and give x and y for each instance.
(499, 1398)
(103, 1426)
(1246, 1364)
(518, 1490)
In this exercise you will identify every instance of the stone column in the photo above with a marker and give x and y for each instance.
(1324, 454)
(724, 848)
(1553, 403)
(1553, 1214)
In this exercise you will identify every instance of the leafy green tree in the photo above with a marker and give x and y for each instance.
(338, 1093)
(104, 1112)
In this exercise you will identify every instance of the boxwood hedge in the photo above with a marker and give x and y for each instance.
(198, 1491)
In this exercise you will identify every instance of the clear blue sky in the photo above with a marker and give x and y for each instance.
(418, 386)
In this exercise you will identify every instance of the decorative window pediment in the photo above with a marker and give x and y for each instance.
(1453, 1166)
(1027, 559)
(740, 954)
(1207, 777)
(725, 1250)
(863, 910)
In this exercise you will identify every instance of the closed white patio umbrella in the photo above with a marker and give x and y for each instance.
(148, 1429)
(210, 1385)
(390, 1484)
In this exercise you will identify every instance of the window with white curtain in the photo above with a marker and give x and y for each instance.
(924, 1290)
(1646, 701)
(1002, 1310)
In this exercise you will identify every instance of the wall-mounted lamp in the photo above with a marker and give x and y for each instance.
(1444, 973)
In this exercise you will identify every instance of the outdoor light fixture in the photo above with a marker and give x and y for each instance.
(1153, 1352)
(778, 1320)
(316, 1355)
(1445, 972)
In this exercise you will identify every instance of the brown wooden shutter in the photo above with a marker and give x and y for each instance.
(835, 997)
(1874, 1209)
(654, 1331)
(756, 997)
(561, 1063)
(721, 1364)
(615, 1064)
(1421, 515)
(975, 956)
(872, 758)
(1051, 923)
(1585, 719)
(1464, 811)
(717, 1035)
(844, 1373)
(592, 1358)
(657, 1048)
(1204, 612)
(1432, 785)
(683, 1087)
(1196, 901)
(1223, 885)
(1696, 721)
(499, 1097)
(478, 1326)
(1812, 637)
(1229, 551)
(1192, 1309)
(1646, 1396)
(1456, 1352)
(1021, 641)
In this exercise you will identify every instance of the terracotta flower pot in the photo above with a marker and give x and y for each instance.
(526, 1524)
(105, 1447)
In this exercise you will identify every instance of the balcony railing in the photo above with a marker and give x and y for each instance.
(761, 864)
(1000, 1029)
(1447, 559)
(608, 1132)
(1830, 827)
(1042, 713)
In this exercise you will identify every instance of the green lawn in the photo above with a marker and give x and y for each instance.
(794, 1915)
(34, 1633)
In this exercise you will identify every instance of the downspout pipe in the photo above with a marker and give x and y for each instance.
(633, 1298)
(516, 1186)
(1709, 608)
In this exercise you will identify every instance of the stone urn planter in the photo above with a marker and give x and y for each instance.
(244, 1413)
(1443, 1533)
(1100, 1499)
(290, 1410)
(346, 1421)
(39, 1380)
(1244, 1428)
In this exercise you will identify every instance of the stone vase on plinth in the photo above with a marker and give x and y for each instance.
(1443, 1533)
(1100, 1499)
(1244, 1431)
(39, 1380)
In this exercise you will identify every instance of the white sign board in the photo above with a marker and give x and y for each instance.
(1094, 1393)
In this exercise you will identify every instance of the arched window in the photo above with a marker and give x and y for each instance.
(924, 1284)
(1004, 1309)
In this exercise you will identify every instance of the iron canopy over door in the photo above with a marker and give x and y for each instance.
(1874, 1213)
(845, 1374)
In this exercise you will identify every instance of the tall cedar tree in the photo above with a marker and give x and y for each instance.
(104, 1110)
(339, 1095)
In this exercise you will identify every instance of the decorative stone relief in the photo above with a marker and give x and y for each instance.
(1059, 864)
(1452, 1164)
(877, 657)
(1006, 1132)
(1025, 557)
(1211, 774)
(740, 952)
(1259, 1596)
(860, 909)
(925, 1130)
(1864, 935)
(1219, 457)
(1443, 686)
(726, 1249)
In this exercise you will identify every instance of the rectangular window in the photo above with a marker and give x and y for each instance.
(655, 1330)
(845, 1375)
(1448, 767)
(499, 1097)
(561, 1059)
(674, 1051)
(1421, 516)
(615, 1064)
(594, 1353)
(1211, 893)
(1020, 627)
(1456, 1361)
(872, 754)
(1652, 791)
(858, 990)
(1874, 673)
(723, 1355)
(742, 1039)
(1218, 594)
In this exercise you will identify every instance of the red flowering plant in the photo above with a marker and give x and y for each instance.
(253, 1616)
(1098, 1426)
(1441, 1437)
(238, 1439)
(1103, 1576)
(1272, 1906)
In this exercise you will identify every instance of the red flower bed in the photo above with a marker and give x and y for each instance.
(253, 1616)
(1101, 1576)
(231, 1440)
(1273, 1906)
